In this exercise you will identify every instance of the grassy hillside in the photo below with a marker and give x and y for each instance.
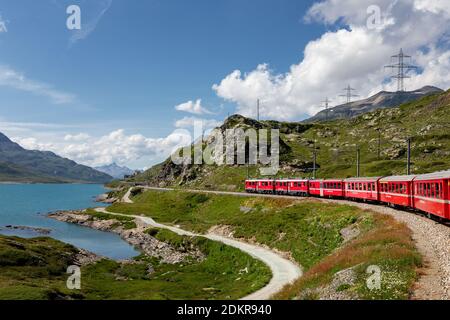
(309, 230)
(13, 173)
(35, 269)
(425, 121)
(324, 239)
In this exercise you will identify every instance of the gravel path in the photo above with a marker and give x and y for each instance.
(126, 197)
(283, 270)
(431, 238)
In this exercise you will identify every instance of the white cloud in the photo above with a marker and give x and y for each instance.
(434, 6)
(34, 144)
(13, 79)
(3, 28)
(193, 107)
(77, 137)
(354, 55)
(189, 122)
(87, 27)
(116, 146)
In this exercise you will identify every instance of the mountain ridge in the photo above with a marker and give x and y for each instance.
(380, 100)
(19, 164)
(426, 121)
(115, 171)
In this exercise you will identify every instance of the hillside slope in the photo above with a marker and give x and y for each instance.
(380, 100)
(21, 165)
(426, 121)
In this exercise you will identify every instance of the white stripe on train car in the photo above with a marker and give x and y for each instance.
(432, 199)
(395, 194)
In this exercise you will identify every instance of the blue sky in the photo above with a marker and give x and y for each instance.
(143, 58)
(137, 60)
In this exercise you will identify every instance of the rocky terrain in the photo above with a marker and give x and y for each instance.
(139, 236)
(381, 136)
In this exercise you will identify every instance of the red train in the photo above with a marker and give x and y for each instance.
(429, 193)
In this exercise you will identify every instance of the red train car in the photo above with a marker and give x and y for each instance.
(298, 187)
(362, 188)
(315, 188)
(282, 186)
(333, 188)
(266, 186)
(432, 193)
(397, 190)
(251, 186)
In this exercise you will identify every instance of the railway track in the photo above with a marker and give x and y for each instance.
(432, 239)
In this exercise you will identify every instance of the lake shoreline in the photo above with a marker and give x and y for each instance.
(137, 237)
(27, 205)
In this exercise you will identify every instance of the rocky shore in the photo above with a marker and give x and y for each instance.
(138, 236)
(43, 231)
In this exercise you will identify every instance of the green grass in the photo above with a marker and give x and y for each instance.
(126, 222)
(32, 268)
(307, 229)
(386, 244)
(35, 269)
(219, 276)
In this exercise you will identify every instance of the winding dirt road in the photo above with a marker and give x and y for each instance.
(283, 270)
(431, 238)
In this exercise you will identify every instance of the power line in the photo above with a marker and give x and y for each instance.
(257, 109)
(327, 106)
(408, 160)
(402, 69)
(349, 95)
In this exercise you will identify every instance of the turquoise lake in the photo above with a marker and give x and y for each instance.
(28, 204)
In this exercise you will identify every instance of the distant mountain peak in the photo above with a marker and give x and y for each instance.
(114, 170)
(380, 100)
